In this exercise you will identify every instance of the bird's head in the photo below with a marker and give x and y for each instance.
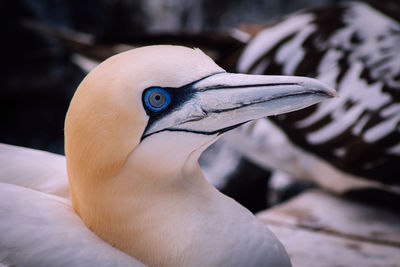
(125, 102)
(156, 108)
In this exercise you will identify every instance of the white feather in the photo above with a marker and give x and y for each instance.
(42, 229)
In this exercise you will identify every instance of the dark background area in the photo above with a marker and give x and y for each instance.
(38, 77)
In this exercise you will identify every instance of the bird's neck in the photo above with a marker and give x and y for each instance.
(153, 210)
(171, 220)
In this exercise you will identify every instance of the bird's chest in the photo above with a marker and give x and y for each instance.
(203, 237)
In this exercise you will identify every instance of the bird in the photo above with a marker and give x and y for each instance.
(351, 142)
(134, 131)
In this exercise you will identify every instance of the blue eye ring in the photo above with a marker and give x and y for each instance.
(157, 99)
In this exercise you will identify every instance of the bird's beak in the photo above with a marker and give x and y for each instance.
(222, 101)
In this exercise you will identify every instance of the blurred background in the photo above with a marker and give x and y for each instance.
(38, 73)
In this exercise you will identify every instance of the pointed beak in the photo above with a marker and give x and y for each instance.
(223, 101)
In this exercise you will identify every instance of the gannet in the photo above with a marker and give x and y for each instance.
(134, 131)
(351, 142)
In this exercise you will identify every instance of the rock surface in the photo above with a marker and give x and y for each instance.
(319, 229)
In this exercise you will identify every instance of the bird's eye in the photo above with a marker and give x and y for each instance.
(157, 99)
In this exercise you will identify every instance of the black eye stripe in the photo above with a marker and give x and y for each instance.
(179, 95)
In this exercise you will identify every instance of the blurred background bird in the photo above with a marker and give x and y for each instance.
(342, 145)
(351, 143)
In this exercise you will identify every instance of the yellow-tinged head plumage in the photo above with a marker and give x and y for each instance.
(105, 120)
